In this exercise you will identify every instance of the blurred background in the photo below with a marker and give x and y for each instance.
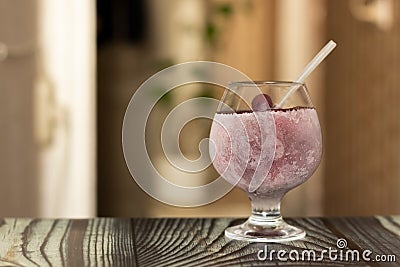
(68, 69)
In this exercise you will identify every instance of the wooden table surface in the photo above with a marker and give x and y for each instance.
(191, 242)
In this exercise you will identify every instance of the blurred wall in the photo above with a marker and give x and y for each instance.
(362, 107)
(47, 152)
(19, 183)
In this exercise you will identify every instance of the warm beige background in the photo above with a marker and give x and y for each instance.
(362, 105)
(18, 152)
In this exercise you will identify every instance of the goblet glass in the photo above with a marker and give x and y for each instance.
(266, 148)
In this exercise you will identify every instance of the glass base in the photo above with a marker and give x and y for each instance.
(276, 230)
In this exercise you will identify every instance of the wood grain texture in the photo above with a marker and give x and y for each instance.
(97, 242)
(183, 242)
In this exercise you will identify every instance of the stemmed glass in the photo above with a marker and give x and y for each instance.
(266, 148)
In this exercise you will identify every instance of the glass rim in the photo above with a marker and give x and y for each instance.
(266, 82)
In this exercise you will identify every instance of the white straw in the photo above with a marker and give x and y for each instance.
(309, 68)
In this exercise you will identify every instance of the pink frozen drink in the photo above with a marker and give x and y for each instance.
(292, 140)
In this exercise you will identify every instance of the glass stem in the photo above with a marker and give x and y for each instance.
(265, 212)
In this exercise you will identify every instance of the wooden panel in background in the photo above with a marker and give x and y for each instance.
(362, 115)
(19, 183)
